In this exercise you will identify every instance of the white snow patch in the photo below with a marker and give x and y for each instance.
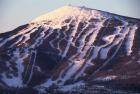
(39, 40)
(48, 83)
(18, 34)
(72, 86)
(75, 66)
(66, 12)
(130, 39)
(138, 61)
(15, 81)
(12, 82)
(104, 52)
(107, 78)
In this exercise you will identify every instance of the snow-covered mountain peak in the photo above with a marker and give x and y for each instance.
(67, 12)
(71, 48)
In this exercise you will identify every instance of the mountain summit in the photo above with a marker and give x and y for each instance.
(68, 12)
(57, 17)
(73, 50)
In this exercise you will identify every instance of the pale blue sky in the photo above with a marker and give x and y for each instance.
(18, 12)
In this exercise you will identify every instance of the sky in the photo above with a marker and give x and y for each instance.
(14, 13)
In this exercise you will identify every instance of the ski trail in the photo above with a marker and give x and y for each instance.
(40, 38)
(18, 41)
(130, 39)
(22, 32)
(92, 38)
(82, 54)
(95, 51)
(32, 66)
(15, 81)
(51, 42)
(108, 39)
(105, 63)
(71, 36)
(117, 41)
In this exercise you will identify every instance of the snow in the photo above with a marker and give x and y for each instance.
(18, 41)
(12, 82)
(107, 78)
(91, 39)
(104, 53)
(40, 38)
(75, 66)
(118, 41)
(22, 33)
(130, 39)
(48, 83)
(86, 51)
(72, 86)
(3, 42)
(98, 25)
(15, 81)
(111, 39)
(138, 61)
(41, 88)
(31, 72)
(27, 36)
(58, 16)
(94, 53)
(70, 41)
(52, 41)
(67, 12)
(81, 72)
(108, 39)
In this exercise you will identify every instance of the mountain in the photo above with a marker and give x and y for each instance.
(73, 50)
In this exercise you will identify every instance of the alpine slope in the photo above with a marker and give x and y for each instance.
(72, 50)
